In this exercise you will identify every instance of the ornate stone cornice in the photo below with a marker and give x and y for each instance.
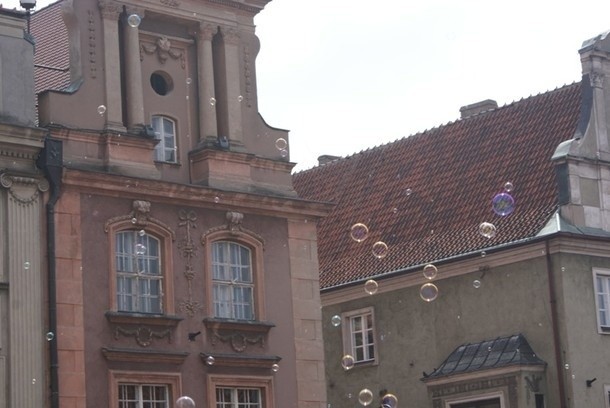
(236, 5)
(110, 9)
(131, 9)
(170, 3)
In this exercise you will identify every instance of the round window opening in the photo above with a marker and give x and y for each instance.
(161, 83)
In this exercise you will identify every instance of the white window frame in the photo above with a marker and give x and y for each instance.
(235, 403)
(139, 270)
(233, 283)
(139, 391)
(604, 292)
(172, 382)
(164, 153)
(263, 384)
(450, 403)
(349, 346)
(607, 395)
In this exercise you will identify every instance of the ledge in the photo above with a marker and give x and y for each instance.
(139, 318)
(144, 356)
(252, 326)
(237, 360)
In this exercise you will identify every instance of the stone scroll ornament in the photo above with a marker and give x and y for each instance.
(188, 250)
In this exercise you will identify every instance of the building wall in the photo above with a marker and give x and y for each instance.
(414, 336)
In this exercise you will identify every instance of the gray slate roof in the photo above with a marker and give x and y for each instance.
(487, 354)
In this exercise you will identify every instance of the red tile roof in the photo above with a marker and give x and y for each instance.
(453, 172)
(52, 57)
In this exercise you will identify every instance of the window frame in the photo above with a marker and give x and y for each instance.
(160, 149)
(604, 274)
(166, 265)
(264, 384)
(233, 285)
(173, 381)
(450, 403)
(607, 395)
(255, 246)
(348, 335)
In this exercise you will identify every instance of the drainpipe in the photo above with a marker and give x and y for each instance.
(555, 325)
(50, 162)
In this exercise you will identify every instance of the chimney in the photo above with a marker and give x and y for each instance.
(327, 158)
(479, 107)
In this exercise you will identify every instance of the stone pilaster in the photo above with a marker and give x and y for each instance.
(232, 79)
(133, 72)
(110, 11)
(205, 76)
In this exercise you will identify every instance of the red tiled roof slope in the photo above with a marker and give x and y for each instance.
(453, 172)
(52, 57)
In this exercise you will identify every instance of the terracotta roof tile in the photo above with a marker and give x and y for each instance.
(52, 57)
(453, 172)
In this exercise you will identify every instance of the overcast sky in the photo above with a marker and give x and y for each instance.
(347, 75)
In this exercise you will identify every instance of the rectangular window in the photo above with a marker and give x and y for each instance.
(138, 268)
(359, 341)
(165, 131)
(238, 397)
(143, 396)
(602, 299)
(232, 281)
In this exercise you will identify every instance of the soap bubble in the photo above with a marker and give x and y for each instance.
(487, 229)
(380, 249)
(335, 320)
(212, 101)
(189, 81)
(389, 401)
(134, 20)
(50, 336)
(134, 220)
(281, 143)
(284, 152)
(210, 360)
(347, 362)
(566, 366)
(508, 186)
(275, 368)
(408, 192)
(33, 381)
(476, 283)
(216, 199)
(101, 109)
(140, 249)
(141, 233)
(428, 292)
(503, 204)
(185, 402)
(430, 271)
(365, 397)
(359, 232)
(26, 265)
(240, 98)
(370, 287)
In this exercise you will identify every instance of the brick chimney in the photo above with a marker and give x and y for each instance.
(479, 107)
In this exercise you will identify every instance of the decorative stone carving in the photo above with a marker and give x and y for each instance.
(188, 251)
(143, 335)
(247, 76)
(92, 55)
(170, 3)
(597, 79)
(234, 220)
(164, 50)
(139, 217)
(238, 341)
(110, 9)
(230, 35)
(206, 31)
(532, 383)
(23, 190)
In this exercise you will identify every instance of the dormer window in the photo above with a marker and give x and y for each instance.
(165, 131)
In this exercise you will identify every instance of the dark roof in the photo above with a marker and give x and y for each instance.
(488, 354)
(52, 57)
(452, 172)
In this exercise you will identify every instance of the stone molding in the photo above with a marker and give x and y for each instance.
(30, 187)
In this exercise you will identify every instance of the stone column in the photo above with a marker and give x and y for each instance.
(232, 78)
(133, 72)
(21, 234)
(205, 76)
(110, 11)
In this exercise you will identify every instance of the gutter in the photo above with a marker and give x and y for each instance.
(50, 161)
(555, 326)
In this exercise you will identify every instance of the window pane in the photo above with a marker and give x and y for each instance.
(232, 280)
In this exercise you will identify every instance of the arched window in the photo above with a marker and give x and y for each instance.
(165, 131)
